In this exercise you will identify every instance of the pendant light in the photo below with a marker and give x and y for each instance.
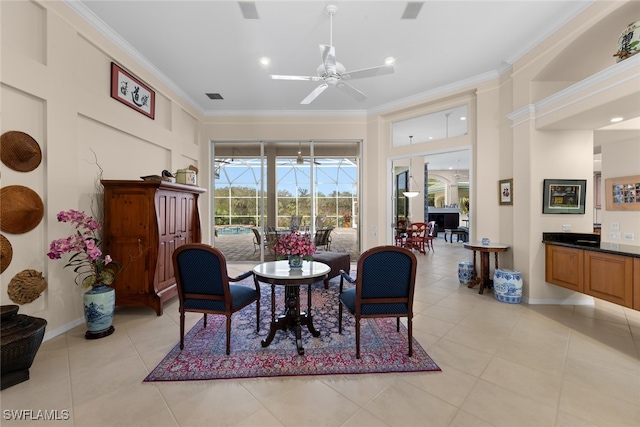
(410, 193)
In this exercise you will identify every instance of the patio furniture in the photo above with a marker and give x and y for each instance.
(322, 238)
(269, 241)
(383, 288)
(335, 260)
(203, 286)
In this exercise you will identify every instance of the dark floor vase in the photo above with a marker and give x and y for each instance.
(20, 339)
(99, 306)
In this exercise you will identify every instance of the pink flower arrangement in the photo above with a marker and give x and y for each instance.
(87, 261)
(294, 244)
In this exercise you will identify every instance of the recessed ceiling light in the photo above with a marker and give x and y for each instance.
(389, 60)
(264, 61)
(463, 118)
(616, 119)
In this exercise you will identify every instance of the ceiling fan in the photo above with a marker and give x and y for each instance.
(300, 160)
(457, 175)
(333, 73)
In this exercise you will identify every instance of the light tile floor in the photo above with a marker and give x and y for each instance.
(502, 365)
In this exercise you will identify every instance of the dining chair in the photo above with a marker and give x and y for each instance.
(416, 236)
(429, 235)
(384, 287)
(203, 286)
(401, 232)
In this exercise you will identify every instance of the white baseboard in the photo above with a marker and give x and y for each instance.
(62, 329)
(568, 301)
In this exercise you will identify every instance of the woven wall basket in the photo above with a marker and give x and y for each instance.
(20, 151)
(21, 209)
(6, 253)
(26, 286)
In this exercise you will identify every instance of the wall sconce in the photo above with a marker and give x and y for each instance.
(410, 193)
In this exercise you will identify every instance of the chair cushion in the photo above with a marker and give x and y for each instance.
(348, 298)
(240, 296)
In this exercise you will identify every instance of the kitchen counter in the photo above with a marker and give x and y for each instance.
(590, 241)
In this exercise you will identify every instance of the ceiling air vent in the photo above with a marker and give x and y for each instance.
(214, 96)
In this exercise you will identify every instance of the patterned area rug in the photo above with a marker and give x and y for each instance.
(382, 348)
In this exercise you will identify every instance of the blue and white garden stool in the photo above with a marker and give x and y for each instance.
(507, 285)
(465, 272)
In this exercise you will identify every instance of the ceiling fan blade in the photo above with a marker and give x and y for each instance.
(368, 72)
(301, 78)
(313, 95)
(328, 54)
(351, 91)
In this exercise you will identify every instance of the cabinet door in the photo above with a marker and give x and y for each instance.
(564, 267)
(168, 228)
(636, 283)
(127, 212)
(609, 277)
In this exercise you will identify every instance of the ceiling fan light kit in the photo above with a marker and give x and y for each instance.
(332, 73)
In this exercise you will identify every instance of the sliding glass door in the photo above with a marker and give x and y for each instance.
(268, 187)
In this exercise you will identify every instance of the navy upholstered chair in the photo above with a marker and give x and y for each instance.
(203, 286)
(384, 286)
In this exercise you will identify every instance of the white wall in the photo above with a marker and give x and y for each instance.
(55, 86)
(620, 159)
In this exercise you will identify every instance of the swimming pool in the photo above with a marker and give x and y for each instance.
(233, 229)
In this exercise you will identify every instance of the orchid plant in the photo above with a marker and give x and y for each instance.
(294, 244)
(89, 264)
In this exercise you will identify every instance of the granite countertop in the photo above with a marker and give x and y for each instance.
(591, 242)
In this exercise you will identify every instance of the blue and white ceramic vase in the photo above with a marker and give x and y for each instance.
(99, 306)
(465, 272)
(507, 285)
(295, 262)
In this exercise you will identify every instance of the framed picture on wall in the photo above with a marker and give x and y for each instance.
(132, 92)
(623, 194)
(505, 191)
(564, 196)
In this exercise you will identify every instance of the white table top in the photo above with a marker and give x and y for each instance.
(280, 270)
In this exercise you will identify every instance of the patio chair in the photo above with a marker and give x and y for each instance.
(269, 241)
(384, 287)
(203, 286)
(322, 238)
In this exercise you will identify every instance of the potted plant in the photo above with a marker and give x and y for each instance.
(295, 247)
(94, 270)
(346, 219)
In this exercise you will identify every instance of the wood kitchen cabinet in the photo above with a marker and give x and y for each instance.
(144, 222)
(611, 277)
(565, 267)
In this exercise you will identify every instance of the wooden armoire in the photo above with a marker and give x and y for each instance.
(144, 222)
